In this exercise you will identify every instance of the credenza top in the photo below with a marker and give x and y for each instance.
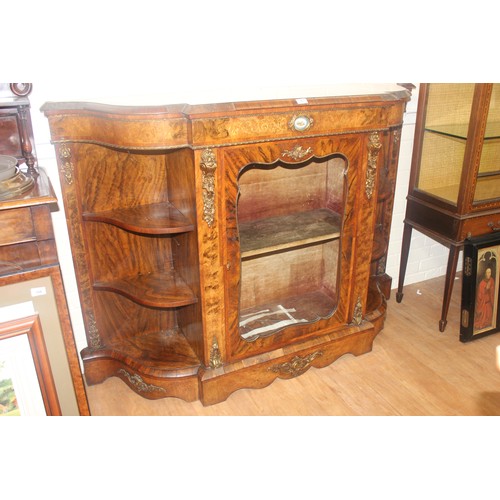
(362, 95)
(223, 124)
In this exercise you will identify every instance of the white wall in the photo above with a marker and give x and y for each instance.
(427, 259)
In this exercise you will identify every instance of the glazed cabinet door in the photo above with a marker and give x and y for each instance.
(446, 112)
(487, 187)
(459, 145)
(299, 232)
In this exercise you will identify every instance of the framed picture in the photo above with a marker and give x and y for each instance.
(41, 292)
(26, 383)
(480, 288)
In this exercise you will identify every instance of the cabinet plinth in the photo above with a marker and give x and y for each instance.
(237, 249)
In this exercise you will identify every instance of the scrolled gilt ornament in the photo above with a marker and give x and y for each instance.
(215, 356)
(397, 137)
(93, 333)
(139, 383)
(66, 167)
(382, 265)
(297, 365)
(374, 146)
(208, 165)
(357, 316)
(297, 153)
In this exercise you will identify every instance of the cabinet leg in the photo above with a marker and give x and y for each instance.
(448, 287)
(405, 249)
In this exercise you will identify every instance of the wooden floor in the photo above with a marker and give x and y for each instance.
(412, 370)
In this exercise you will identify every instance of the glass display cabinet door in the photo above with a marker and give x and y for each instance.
(289, 219)
(446, 124)
(488, 177)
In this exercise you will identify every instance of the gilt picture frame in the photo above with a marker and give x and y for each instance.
(480, 311)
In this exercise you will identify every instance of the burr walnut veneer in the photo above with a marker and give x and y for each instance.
(221, 246)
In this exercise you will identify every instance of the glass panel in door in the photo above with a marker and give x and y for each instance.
(488, 178)
(445, 135)
(289, 222)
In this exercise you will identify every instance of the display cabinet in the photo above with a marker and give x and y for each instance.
(218, 247)
(454, 189)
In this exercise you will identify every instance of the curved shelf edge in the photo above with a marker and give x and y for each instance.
(154, 365)
(156, 218)
(162, 289)
(157, 354)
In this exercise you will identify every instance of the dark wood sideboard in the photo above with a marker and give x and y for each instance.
(27, 245)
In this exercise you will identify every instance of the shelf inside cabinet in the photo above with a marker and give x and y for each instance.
(447, 193)
(460, 130)
(487, 188)
(161, 289)
(288, 231)
(155, 218)
(265, 319)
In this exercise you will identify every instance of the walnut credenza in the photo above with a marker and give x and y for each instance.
(221, 246)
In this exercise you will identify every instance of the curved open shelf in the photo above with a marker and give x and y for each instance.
(156, 218)
(159, 353)
(162, 289)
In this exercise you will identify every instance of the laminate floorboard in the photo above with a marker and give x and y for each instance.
(412, 370)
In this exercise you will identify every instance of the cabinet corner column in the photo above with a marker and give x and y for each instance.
(208, 214)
